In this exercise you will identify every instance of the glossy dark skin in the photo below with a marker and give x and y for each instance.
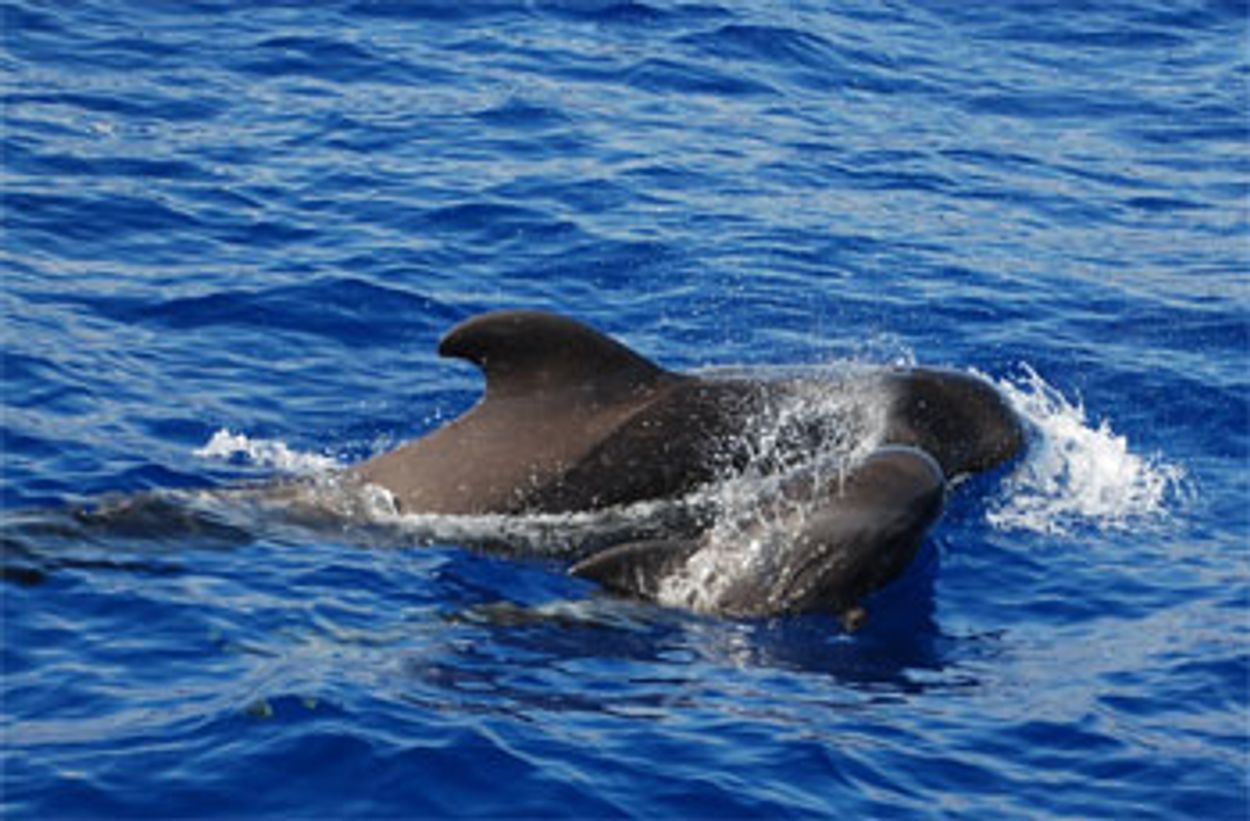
(572, 420)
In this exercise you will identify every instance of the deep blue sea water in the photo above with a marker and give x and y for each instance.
(233, 233)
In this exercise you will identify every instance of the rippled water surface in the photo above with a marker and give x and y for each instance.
(235, 231)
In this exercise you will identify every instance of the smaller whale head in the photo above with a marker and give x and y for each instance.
(834, 542)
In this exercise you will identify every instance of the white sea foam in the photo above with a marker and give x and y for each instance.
(1078, 473)
(265, 453)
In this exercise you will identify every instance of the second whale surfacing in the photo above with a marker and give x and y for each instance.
(573, 421)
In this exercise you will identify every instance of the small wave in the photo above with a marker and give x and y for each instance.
(1077, 473)
(265, 453)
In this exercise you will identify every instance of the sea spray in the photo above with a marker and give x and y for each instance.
(1077, 473)
(758, 510)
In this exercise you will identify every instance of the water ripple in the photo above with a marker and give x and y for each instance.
(260, 218)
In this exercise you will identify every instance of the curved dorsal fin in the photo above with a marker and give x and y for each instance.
(522, 352)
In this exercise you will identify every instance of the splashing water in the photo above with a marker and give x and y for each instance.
(756, 519)
(1076, 473)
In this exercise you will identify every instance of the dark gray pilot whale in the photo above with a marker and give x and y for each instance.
(572, 421)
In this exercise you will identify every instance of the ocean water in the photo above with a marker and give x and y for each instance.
(233, 233)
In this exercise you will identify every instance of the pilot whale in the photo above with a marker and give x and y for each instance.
(572, 421)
